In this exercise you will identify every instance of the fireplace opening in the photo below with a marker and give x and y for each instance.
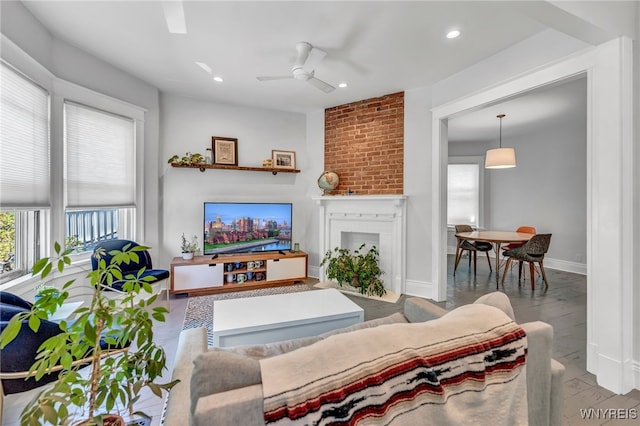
(353, 240)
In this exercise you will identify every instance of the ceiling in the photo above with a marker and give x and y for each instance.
(376, 47)
(563, 101)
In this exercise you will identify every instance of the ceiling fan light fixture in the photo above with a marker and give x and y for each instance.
(304, 67)
(500, 158)
(218, 79)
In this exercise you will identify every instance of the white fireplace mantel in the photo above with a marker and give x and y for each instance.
(381, 215)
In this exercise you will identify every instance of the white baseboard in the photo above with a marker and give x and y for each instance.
(419, 289)
(635, 371)
(313, 271)
(557, 264)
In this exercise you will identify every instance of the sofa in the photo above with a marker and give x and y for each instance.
(240, 385)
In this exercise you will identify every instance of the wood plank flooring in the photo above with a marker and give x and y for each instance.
(563, 306)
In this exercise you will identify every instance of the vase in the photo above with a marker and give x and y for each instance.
(187, 256)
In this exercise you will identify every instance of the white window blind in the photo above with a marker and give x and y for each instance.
(99, 158)
(463, 199)
(24, 141)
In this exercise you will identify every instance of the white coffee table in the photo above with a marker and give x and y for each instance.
(265, 319)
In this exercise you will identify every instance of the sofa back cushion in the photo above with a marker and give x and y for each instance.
(473, 357)
(220, 370)
(499, 300)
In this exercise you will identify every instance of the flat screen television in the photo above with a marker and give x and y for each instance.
(246, 227)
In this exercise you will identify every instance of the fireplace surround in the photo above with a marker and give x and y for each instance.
(380, 220)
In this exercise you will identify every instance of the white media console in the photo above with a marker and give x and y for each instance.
(237, 272)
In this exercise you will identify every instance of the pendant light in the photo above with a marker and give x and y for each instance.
(500, 158)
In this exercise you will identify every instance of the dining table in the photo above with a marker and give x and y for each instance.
(497, 238)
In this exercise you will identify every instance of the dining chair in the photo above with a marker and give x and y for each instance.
(523, 229)
(532, 252)
(472, 247)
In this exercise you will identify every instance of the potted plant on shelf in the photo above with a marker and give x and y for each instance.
(114, 337)
(356, 269)
(187, 159)
(189, 248)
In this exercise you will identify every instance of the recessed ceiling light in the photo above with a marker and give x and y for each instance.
(218, 79)
(453, 34)
(342, 85)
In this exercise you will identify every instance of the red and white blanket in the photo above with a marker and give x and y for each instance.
(467, 367)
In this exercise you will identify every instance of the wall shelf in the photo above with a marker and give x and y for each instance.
(203, 167)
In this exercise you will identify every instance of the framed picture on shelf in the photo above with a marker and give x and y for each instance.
(283, 159)
(225, 150)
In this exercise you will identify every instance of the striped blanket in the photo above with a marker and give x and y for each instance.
(464, 368)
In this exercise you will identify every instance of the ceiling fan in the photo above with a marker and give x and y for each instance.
(304, 67)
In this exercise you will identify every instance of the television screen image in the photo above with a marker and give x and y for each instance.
(246, 227)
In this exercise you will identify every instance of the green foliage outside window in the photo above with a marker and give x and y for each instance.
(7, 235)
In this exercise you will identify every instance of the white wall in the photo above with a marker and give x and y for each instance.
(188, 125)
(548, 188)
(417, 161)
(315, 152)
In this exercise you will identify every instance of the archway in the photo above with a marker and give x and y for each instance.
(609, 163)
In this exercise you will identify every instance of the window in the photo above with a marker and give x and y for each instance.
(97, 192)
(76, 186)
(464, 191)
(24, 171)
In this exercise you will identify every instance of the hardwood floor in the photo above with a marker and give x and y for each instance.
(563, 305)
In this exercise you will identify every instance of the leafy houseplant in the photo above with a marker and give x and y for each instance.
(129, 360)
(187, 160)
(189, 247)
(360, 270)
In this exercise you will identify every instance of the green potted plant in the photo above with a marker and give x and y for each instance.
(189, 248)
(187, 159)
(356, 269)
(117, 373)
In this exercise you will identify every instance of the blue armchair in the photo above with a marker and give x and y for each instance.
(20, 354)
(131, 268)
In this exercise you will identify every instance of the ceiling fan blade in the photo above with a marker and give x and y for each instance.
(269, 78)
(315, 57)
(325, 87)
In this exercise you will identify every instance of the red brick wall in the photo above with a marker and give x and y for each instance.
(364, 145)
